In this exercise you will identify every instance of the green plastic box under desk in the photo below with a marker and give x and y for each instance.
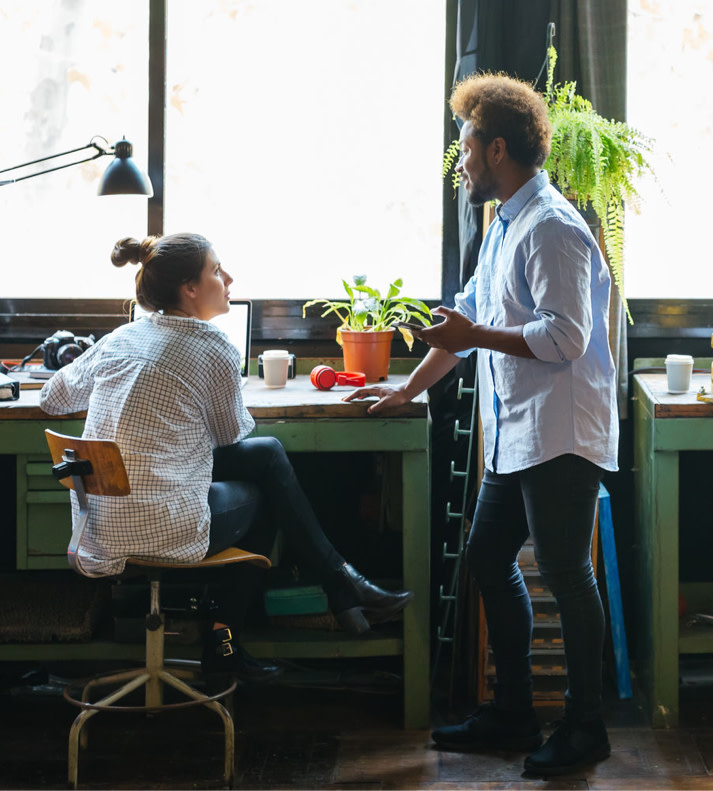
(306, 600)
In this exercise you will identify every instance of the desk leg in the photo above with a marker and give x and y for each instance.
(416, 562)
(664, 681)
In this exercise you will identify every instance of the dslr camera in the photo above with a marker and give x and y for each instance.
(63, 347)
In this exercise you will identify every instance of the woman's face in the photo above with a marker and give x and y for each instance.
(210, 295)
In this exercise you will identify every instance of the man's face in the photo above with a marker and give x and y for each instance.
(473, 168)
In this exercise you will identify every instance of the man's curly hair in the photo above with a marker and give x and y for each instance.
(501, 106)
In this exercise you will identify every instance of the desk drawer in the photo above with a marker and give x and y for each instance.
(49, 531)
(44, 517)
(38, 475)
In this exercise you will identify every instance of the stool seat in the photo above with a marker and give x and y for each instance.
(224, 558)
(96, 466)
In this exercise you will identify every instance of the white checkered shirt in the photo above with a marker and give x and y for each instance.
(168, 390)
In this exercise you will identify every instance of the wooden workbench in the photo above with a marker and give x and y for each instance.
(304, 419)
(665, 424)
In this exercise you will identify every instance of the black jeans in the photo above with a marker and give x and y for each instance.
(254, 492)
(556, 503)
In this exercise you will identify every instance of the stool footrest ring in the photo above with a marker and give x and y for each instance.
(104, 679)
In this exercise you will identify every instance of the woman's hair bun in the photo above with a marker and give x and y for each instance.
(126, 251)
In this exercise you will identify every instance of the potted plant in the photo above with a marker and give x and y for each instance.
(593, 161)
(367, 324)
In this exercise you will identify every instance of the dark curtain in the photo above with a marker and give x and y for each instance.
(511, 36)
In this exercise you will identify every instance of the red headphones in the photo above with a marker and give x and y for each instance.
(324, 378)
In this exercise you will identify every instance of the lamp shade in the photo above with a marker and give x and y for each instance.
(123, 176)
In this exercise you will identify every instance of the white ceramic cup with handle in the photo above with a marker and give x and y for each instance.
(275, 366)
(679, 368)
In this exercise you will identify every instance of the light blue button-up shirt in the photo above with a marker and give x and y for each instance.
(540, 267)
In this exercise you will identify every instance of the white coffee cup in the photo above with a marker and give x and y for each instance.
(275, 365)
(679, 368)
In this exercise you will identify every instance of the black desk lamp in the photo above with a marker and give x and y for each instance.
(122, 177)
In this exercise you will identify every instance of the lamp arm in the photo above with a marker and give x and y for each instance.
(100, 152)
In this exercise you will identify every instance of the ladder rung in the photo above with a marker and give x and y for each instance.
(452, 514)
(457, 473)
(462, 390)
(458, 431)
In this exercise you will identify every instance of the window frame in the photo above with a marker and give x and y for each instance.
(25, 323)
(28, 321)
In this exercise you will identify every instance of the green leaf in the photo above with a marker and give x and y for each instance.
(367, 311)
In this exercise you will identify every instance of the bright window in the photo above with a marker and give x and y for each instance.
(304, 139)
(670, 71)
(70, 71)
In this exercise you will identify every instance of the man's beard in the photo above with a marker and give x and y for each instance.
(484, 192)
(478, 198)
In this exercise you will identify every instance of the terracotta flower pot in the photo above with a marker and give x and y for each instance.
(368, 352)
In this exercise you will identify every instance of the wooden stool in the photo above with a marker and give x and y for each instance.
(94, 466)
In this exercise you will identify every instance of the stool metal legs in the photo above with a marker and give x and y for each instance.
(153, 676)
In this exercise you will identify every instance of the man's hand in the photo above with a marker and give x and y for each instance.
(389, 397)
(457, 333)
(454, 334)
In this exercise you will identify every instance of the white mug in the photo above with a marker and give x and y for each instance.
(275, 365)
(679, 368)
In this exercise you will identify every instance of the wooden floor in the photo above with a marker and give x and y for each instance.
(312, 732)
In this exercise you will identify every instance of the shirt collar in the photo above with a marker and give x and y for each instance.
(511, 208)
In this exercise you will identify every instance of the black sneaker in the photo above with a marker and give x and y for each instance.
(492, 728)
(571, 746)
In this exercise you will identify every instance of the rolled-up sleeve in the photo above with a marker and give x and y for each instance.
(70, 388)
(227, 418)
(558, 273)
(464, 303)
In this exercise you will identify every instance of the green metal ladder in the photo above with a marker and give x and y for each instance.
(452, 552)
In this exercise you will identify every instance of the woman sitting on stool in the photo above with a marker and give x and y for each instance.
(167, 390)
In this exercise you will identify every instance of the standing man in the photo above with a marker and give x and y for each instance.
(537, 311)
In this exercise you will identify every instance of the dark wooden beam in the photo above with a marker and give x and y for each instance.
(157, 113)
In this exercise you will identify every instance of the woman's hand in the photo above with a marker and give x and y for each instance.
(389, 397)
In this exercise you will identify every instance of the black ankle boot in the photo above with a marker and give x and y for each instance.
(572, 745)
(357, 603)
(222, 653)
(490, 727)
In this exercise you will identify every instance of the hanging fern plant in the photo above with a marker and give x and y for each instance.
(595, 161)
(592, 161)
(450, 159)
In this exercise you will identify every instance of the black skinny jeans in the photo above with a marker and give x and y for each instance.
(556, 503)
(254, 492)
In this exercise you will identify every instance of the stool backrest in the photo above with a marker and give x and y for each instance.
(95, 466)
(108, 476)
(89, 466)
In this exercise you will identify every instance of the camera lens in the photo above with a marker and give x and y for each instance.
(67, 353)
